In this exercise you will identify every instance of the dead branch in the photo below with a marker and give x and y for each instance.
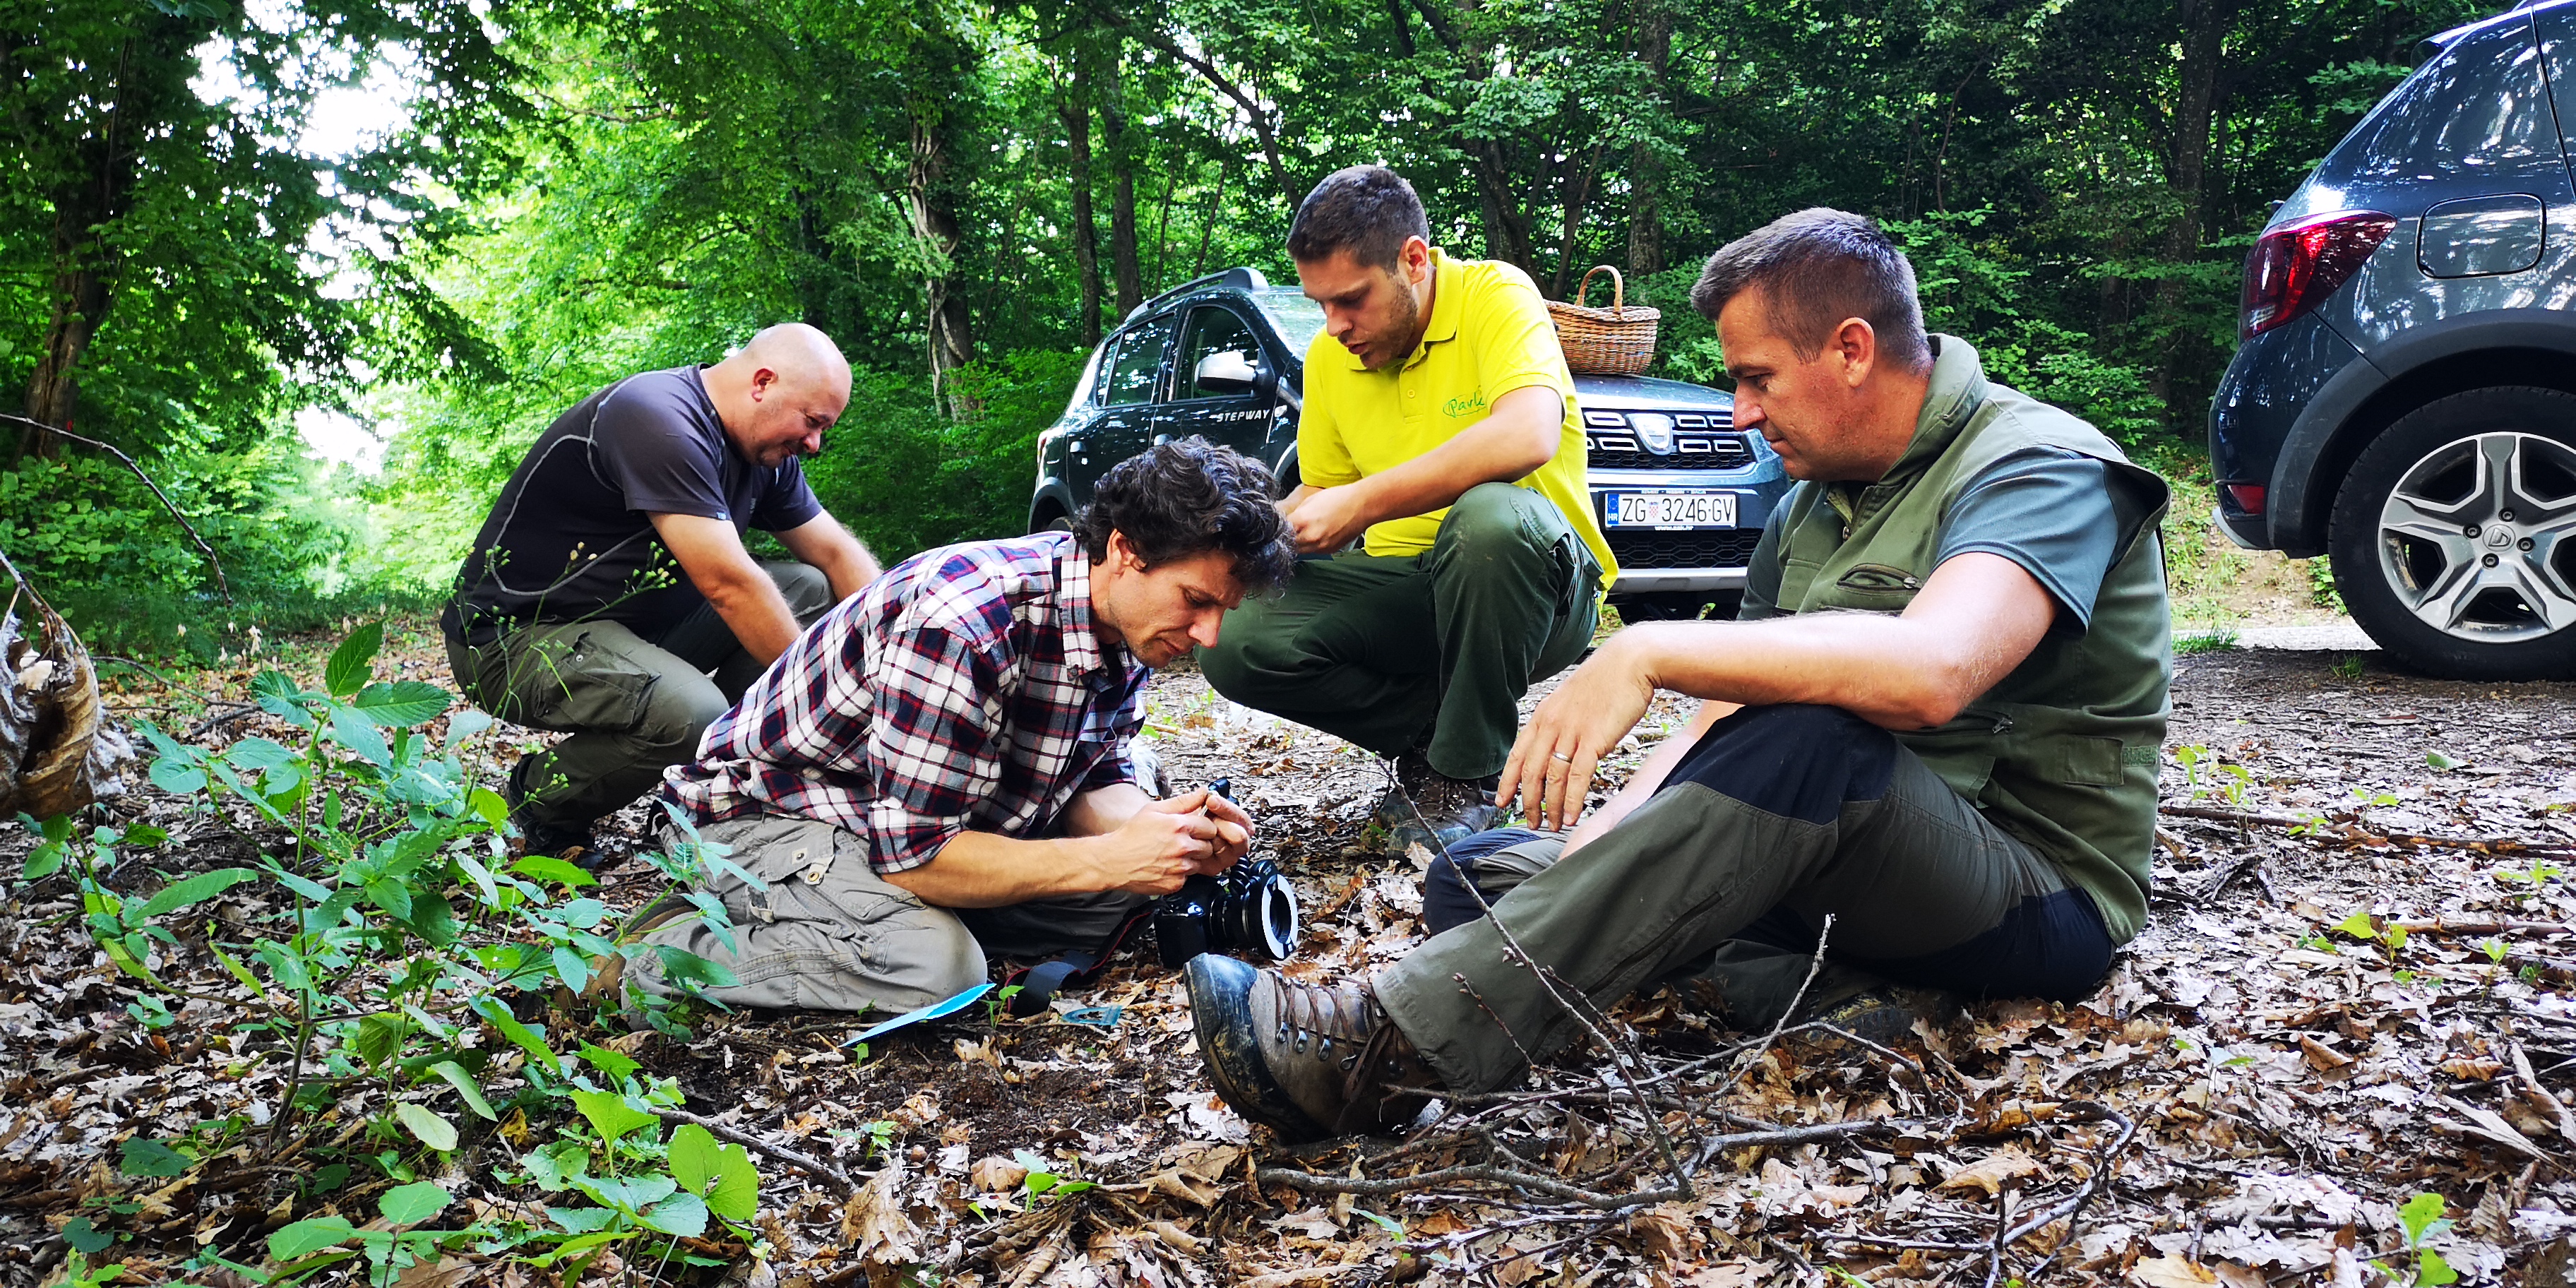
(1631, 1063)
(164, 497)
(1815, 965)
(806, 1163)
(1471, 1173)
(2476, 844)
(1807, 1135)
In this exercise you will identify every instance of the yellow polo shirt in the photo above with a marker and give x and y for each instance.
(1489, 335)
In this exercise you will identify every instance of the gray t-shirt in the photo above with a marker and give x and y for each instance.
(568, 540)
(2055, 513)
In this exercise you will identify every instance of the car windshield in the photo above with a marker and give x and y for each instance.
(1298, 318)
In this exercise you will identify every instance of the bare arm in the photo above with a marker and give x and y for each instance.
(1145, 846)
(1519, 436)
(1974, 621)
(822, 542)
(711, 553)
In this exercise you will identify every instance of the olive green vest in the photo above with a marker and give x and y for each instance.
(2064, 751)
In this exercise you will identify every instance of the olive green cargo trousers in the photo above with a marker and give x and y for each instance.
(634, 704)
(1427, 652)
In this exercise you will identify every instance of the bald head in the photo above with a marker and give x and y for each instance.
(777, 394)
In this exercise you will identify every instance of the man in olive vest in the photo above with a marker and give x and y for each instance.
(1930, 742)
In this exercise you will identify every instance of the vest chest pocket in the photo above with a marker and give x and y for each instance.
(1875, 587)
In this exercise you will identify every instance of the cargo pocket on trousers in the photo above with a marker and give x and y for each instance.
(592, 689)
(821, 874)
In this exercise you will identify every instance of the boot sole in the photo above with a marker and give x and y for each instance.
(1220, 1004)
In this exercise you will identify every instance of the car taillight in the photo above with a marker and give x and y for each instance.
(2247, 496)
(2294, 268)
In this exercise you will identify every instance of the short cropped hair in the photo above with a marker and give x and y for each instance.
(1367, 209)
(1182, 498)
(1814, 269)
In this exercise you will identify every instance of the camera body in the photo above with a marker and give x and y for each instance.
(1251, 912)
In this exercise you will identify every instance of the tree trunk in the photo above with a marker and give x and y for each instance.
(934, 222)
(1645, 170)
(81, 296)
(1122, 192)
(1086, 236)
(2196, 106)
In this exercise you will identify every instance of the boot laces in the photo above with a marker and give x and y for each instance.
(1327, 1014)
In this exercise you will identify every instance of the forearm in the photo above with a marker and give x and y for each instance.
(1891, 671)
(982, 870)
(1098, 813)
(1499, 449)
(752, 607)
(849, 570)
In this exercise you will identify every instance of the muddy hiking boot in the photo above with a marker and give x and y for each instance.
(1431, 809)
(1307, 1060)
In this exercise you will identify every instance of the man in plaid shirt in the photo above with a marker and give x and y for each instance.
(938, 770)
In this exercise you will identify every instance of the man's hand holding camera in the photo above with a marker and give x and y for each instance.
(1169, 841)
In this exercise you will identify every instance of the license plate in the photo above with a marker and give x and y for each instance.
(1671, 510)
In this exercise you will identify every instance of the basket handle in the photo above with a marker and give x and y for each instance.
(1618, 287)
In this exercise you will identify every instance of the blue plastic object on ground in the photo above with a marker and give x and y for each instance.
(931, 1012)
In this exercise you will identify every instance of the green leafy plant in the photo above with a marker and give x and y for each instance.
(1043, 1182)
(408, 928)
(2422, 1219)
(2348, 667)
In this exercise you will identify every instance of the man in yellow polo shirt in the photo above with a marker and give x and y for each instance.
(1440, 422)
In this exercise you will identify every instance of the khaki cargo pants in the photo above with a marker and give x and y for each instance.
(635, 704)
(832, 935)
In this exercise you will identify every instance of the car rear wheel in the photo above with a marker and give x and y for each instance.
(2451, 536)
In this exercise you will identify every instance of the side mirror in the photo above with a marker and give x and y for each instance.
(1226, 373)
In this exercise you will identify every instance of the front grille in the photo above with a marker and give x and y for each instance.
(1724, 548)
(1700, 442)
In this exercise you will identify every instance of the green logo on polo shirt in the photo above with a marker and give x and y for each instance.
(1469, 404)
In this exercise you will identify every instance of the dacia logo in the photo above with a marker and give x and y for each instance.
(1473, 402)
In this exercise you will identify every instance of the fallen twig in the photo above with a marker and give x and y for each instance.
(1470, 1173)
(2478, 844)
(1806, 1135)
(1815, 964)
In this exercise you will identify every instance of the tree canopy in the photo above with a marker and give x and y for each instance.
(965, 195)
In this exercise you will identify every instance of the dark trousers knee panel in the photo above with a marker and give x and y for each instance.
(1795, 760)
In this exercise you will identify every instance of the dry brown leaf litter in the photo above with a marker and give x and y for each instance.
(2288, 1083)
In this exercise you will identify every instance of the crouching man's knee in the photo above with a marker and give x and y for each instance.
(1499, 518)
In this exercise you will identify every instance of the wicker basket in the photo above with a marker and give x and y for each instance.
(1616, 341)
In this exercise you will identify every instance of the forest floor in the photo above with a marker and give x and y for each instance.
(2271, 1074)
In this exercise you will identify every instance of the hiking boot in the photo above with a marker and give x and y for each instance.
(1308, 1060)
(1882, 1013)
(1431, 809)
(608, 970)
(574, 845)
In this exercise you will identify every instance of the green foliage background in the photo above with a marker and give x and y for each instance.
(966, 194)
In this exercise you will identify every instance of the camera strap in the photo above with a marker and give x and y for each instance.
(1040, 983)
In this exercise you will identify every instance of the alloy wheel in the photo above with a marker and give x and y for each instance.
(2471, 538)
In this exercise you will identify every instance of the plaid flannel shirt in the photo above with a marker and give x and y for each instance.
(964, 689)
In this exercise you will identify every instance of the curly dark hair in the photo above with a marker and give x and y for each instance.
(1187, 496)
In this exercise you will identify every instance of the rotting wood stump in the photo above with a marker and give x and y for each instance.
(57, 752)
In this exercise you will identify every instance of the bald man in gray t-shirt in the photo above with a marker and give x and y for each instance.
(609, 594)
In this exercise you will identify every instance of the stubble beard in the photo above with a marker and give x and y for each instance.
(1406, 325)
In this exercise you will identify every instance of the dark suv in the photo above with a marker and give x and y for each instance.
(2405, 396)
(1682, 496)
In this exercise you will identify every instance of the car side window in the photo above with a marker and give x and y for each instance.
(2478, 108)
(1139, 360)
(1212, 331)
